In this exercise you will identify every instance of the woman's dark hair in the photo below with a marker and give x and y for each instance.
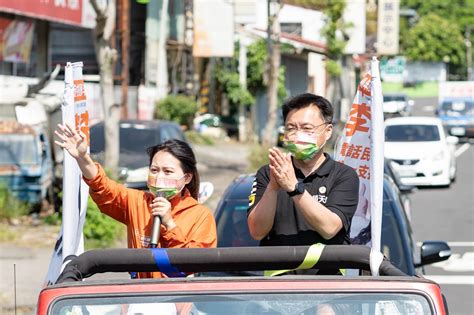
(183, 152)
(308, 99)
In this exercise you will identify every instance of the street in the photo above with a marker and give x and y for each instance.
(447, 215)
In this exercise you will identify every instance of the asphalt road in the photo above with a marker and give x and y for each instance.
(448, 214)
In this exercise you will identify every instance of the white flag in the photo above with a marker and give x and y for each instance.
(70, 242)
(361, 147)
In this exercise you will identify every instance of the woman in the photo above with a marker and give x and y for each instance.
(173, 173)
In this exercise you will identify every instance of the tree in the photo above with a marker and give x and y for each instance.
(334, 25)
(272, 73)
(436, 39)
(459, 14)
(107, 56)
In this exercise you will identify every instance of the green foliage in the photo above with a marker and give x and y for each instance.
(236, 93)
(333, 67)
(10, 206)
(459, 16)
(256, 67)
(179, 108)
(198, 138)
(460, 12)
(52, 219)
(334, 10)
(434, 38)
(334, 22)
(100, 231)
(421, 89)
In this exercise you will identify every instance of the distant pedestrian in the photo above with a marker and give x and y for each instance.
(184, 222)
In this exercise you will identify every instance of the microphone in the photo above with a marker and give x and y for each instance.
(155, 232)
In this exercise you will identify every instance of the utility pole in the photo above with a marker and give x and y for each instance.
(243, 82)
(273, 67)
(107, 56)
(468, 52)
(162, 65)
(125, 41)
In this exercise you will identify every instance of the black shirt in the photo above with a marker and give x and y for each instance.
(333, 184)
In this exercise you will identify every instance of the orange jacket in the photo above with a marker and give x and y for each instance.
(195, 224)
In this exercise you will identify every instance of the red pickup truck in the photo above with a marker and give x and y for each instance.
(391, 292)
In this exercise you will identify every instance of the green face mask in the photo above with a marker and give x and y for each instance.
(164, 187)
(303, 147)
(303, 151)
(167, 193)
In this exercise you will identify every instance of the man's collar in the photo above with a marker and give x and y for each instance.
(325, 168)
(322, 170)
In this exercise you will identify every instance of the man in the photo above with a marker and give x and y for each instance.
(303, 197)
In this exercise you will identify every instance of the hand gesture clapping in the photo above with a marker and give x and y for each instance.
(281, 169)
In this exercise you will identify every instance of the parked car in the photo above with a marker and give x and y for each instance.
(397, 237)
(390, 293)
(397, 104)
(228, 124)
(26, 166)
(135, 137)
(419, 150)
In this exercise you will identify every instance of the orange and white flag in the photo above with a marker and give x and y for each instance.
(362, 148)
(70, 242)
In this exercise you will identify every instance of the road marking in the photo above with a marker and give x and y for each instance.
(428, 108)
(462, 149)
(454, 244)
(465, 279)
(457, 263)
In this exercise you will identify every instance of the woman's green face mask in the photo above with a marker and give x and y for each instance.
(164, 187)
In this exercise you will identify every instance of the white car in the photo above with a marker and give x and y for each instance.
(419, 151)
(397, 104)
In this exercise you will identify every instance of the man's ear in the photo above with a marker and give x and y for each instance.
(329, 132)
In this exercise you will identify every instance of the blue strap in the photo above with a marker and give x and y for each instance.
(163, 262)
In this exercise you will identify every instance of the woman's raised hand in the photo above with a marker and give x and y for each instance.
(75, 142)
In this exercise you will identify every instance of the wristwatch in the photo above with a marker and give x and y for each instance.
(299, 189)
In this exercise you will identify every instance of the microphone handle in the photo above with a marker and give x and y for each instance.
(155, 234)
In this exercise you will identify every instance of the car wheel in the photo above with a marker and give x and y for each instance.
(453, 178)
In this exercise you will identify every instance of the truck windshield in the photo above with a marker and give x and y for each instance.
(457, 108)
(18, 149)
(291, 303)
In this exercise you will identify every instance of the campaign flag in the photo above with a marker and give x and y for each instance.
(362, 148)
(70, 242)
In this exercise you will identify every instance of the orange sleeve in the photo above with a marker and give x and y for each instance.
(203, 234)
(110, 197)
